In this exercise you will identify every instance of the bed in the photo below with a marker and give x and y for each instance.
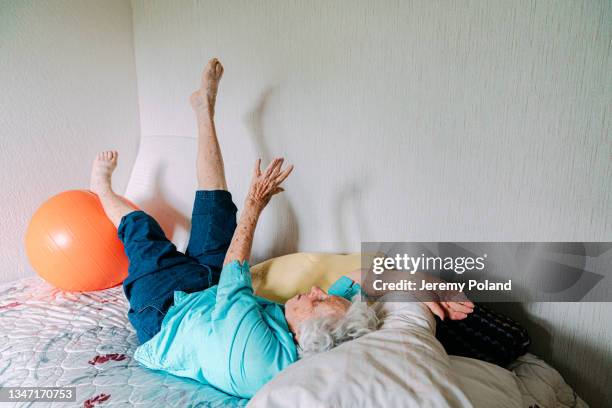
(49, 337)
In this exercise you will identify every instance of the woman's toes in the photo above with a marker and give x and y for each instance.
(203, 100)
(212, 65)
(101, 171)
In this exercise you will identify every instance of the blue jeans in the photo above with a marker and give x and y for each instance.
(157, 268)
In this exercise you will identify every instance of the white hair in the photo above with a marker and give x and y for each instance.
(320, 334)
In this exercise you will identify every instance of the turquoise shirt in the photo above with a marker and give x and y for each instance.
(226, 336)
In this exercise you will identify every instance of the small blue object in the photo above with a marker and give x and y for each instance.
(345, 288)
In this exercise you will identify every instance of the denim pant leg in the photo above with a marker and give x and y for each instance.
(212, 227)
(155, 271)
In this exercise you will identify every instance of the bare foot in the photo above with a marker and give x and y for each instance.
(203, 100)
(101, 171)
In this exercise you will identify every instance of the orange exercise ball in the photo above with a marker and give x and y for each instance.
(73, 245)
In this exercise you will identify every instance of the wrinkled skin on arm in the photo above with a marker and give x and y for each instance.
(263, 187)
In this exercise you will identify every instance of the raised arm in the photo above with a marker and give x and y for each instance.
(263, 187)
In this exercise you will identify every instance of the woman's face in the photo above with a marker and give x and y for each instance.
(316, 303)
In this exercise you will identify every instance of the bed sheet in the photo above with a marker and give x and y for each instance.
(49, 337)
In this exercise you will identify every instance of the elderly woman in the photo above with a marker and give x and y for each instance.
(195, 314)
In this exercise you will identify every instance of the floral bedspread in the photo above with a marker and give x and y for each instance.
(49, 337)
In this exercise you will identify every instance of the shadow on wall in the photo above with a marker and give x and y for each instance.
(350, 219)
(541, 336)
(286, 230)
(348, 212)
(157, 205)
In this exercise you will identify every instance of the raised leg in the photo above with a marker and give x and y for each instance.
(209, 162)
(102, 169)
(156, 268)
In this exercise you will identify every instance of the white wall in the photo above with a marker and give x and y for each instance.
(407, 120)
(410, 121)
(67, 90)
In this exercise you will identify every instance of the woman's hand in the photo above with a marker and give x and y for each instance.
(452, 310)
(264, 186)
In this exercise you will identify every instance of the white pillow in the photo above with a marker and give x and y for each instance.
(400, 365)
(483, 382)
